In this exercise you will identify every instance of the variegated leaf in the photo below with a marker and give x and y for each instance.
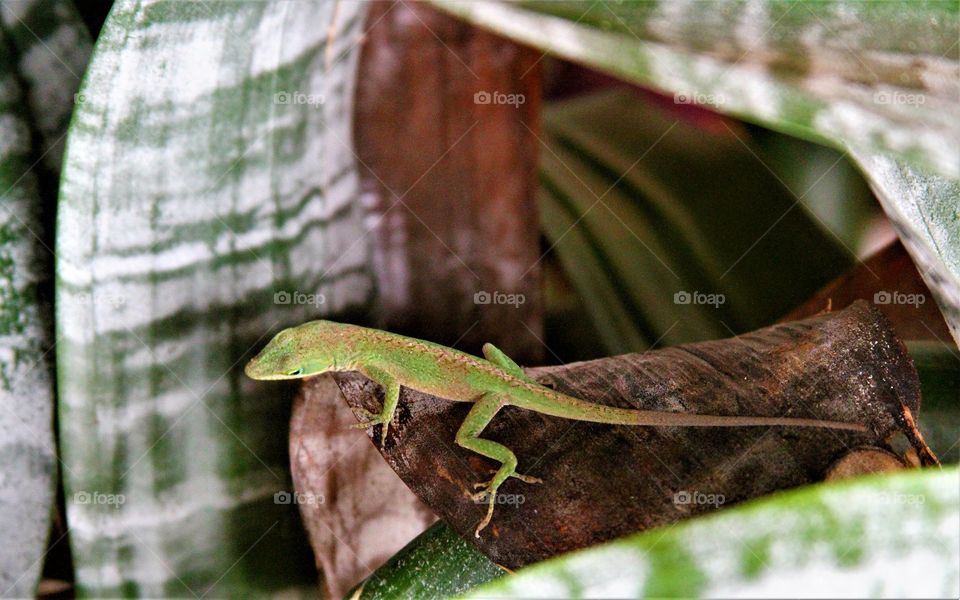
(209, 197)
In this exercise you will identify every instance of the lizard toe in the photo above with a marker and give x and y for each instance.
(527, 478)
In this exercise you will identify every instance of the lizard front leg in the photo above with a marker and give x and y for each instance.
(391, 398)
(468, 436)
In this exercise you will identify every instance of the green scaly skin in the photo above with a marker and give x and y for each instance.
(394, 360)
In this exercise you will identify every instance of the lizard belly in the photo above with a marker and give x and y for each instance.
(449, 388)
(436, 381)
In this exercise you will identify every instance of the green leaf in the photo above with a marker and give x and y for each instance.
(436, 564)
(875, 79)
(642, 208)
(882, 536)
(36, 98)
(209, 198)
(924, 207)
(938, 365)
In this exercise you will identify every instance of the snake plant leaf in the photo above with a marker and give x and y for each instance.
(924, 207)
(27, 442)
(36, 99)
(880, 75)
(876, 79)
(209, 197)
(879, 536)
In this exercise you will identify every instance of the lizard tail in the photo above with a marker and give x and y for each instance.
(574, 408)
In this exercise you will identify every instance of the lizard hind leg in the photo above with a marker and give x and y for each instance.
(468, 436)
(499, 358)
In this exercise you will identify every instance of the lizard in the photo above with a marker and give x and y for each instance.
(490, 383)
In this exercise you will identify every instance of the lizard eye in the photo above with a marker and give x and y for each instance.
(295, 372)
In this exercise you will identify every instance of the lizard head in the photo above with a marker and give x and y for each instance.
(309, 349)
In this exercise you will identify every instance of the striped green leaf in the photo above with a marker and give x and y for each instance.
(36, 98)
(883, 536)
(209, 197)
(878, 80)
(644, 210)
(437, 564)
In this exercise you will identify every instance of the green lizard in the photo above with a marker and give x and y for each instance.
(393, 360)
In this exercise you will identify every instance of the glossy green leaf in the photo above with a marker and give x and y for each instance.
(209, 197)
(437, 564)
(881, 536)
(875, 79)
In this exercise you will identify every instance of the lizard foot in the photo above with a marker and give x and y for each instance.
(488, 495)
(368, 424)
(373, 419)
(483, 495)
